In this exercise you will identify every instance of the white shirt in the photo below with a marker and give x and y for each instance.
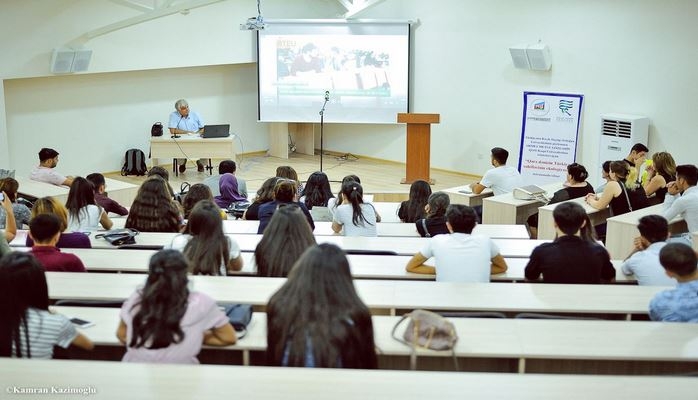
(685, 205)
(47, 175)
(646, 267)
(88, 219)
(502, 179)
(343, 216)
(461, 257)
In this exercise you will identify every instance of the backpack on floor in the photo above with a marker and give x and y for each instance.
(134, 163)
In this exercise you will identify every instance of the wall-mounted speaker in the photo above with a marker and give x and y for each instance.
(65, 61)
(536, 56)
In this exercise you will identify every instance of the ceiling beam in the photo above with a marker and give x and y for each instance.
(148, 16)
(132, 4)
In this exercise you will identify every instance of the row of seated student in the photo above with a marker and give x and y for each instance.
(173, 328)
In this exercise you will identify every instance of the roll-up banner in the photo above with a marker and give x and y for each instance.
(549, 134)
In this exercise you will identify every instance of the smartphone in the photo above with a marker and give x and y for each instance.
(2, 197)
(81, 323)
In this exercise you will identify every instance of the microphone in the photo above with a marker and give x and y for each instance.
(174, 135)
(327, 95)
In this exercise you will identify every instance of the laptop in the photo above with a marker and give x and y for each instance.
(216, 131)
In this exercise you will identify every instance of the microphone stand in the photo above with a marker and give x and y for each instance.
(322, 127)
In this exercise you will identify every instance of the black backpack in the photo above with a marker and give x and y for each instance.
(134, 163)
(156, 129)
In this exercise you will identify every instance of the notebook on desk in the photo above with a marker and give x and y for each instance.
(216, 131)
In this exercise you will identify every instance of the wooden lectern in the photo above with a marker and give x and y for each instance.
(418, 145)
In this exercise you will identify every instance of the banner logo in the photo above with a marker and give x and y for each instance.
(539, 107)
(565, 106)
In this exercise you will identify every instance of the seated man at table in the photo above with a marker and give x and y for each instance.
(570, 259)
(679, 304)
(459, 256)
(182, 121)
(682, 197)
(225, 167)
(45, 172)
(501, 179)
(99, 185)
(45, 229)
(643, 261)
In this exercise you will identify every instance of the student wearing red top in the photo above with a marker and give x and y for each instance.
(45, 229)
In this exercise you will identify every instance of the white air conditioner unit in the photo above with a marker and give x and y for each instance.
(619, 132)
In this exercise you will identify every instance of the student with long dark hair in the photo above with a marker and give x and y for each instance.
(210, 252)
(165, 322)
(353, 215)
(413, 209)
(284, 193)
(153, 209)
(27, 328)
(338, 334)
(265, 194)
(196, 193)
(335, 202)
(317, 191)
(83, 212)
(622, 193)
(435, 221)
(284, 240)
(21, 212)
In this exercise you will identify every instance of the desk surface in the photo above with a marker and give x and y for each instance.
(362, 266)
(481, 337)
(386, 295)
(211, 382)
(398, 229)
(460, 195)
(400, 245)
(505, 209)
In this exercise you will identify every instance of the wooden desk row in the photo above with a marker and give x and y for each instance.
(110, 380)
(400, 245)
(388, 296)
(510, 345)
(362, 266)
(389, 229)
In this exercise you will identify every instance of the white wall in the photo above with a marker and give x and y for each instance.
(629, 56)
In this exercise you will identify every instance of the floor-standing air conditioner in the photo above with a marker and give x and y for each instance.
(619, 132)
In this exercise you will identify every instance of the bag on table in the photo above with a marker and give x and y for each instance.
(427, 330)
(118, 237)
(239, 316)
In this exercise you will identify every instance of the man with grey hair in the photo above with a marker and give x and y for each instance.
(186, 122)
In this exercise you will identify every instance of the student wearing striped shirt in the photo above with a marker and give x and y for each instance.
(27, 328)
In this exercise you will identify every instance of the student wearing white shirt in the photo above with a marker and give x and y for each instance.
(682, 197)
(502, 178)
(643, 261)
(354, 216)
(460, 256)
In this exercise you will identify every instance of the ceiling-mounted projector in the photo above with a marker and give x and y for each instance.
(253, 24)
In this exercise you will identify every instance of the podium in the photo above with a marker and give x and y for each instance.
(418, 145)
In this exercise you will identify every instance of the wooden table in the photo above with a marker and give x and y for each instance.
(530, 343)
(621, 230)
(546, 223)
(106, 380)
(388, 296)
(191, 147)
(505, 209)
(464, 195)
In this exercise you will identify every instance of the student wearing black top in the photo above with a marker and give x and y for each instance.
(575, 186)
(435, 221)
(570, 259)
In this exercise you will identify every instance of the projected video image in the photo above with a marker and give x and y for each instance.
(366, 76)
